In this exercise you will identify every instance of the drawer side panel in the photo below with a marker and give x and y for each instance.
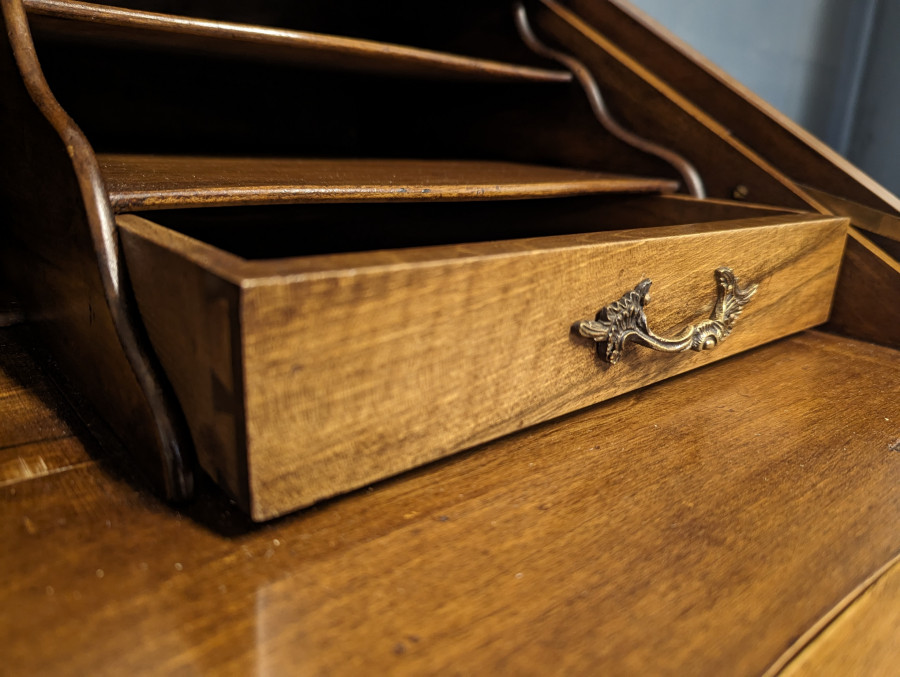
(191, 315)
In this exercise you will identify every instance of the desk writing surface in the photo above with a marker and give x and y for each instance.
(699, 526)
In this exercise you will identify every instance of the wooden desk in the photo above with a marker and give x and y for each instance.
(739, 519)
(583, 546)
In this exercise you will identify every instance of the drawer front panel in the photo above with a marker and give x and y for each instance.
(354, 375)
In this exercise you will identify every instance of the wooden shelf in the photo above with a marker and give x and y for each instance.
(82, 19)
(145, 182)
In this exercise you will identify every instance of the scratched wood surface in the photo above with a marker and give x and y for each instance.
(352, 367)
(99, 22)
(142, 182)
(698, 526)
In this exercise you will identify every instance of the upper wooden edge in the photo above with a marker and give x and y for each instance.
(149, 182)
(757, 206)
(277, 270)
(863, 216)
(224, 264)
(248, 273)
(94, 15)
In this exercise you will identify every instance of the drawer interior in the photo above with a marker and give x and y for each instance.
(305, 230)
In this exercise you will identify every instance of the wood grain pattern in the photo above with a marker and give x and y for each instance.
(361, 365)
(867, 297)
(38, 432)
(29, 408)
(98, 22)
(730, 508)
(654, 110)
(861, 641)
(778, 139)
(142, 182)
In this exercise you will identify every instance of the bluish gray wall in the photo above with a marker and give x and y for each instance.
(875, 140)
(831, 65)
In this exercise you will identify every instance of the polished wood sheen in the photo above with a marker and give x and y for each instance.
(143, 182)
(698, 527)
(97, 22)
(343, 364)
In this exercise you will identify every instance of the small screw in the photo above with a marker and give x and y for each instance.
(740, 192)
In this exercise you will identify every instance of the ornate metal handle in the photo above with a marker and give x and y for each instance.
(624, 321)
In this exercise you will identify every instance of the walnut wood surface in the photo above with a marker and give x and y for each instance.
(142, 182)
(732, 507)
(867, 297)
(781, 141)
(94, 21)
(348, 360)
(650, 107)
(861, 641)
(26, 399)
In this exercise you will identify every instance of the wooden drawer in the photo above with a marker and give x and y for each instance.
(303, 377)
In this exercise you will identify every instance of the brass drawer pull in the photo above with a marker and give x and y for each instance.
(624, 320)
